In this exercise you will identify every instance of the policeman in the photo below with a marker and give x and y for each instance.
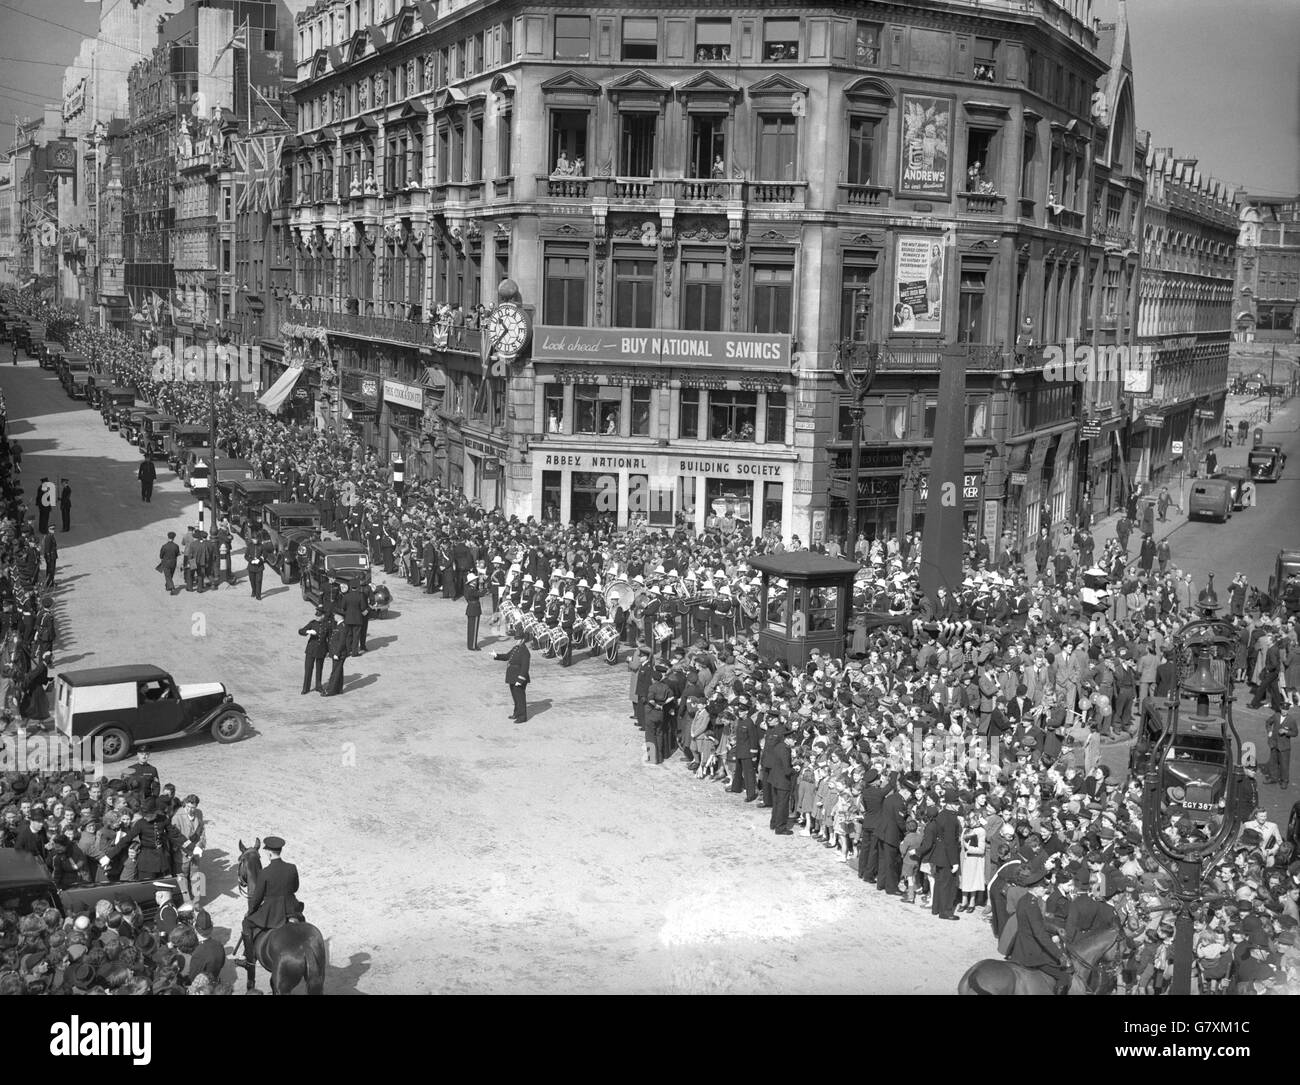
(473, 610)
(338, 652)
(271, 899)
(317, 633)
(254, 556)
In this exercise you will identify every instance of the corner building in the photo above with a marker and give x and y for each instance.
(705, 211)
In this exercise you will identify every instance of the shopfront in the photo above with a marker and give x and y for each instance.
(972, 494)
(360, 406)
(734, 493)
(484, 471)
(404, 416)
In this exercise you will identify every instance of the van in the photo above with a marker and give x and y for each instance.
(1211, 498)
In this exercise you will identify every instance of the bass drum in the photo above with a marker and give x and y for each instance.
(607, 641)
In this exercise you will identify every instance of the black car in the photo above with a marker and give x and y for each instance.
(323, 563)
(25, 886)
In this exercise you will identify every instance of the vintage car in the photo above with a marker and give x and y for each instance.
(1266, 463)
(289, 525)
(197, 457)
(79, 386)
(243, 499)
(26, 886)
(153, 440)
(323, 563)
(181, 439)
(1284, 584)
(113, 401)
(1237, 477)
(130, 426)
(1210, 498)
(121, 707)
(27, 333)
(48, 353)
(95, 385)
(227, 470)
(68, 365)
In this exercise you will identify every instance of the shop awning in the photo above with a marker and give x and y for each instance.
(273, 398)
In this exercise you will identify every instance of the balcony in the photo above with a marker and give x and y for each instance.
(1112, 236)
(408, 203)
(782, 193)
(924, 357)
(566, 187)
(503, 188)
(864, 196)
(411, 333)
(707, 190)
(982, 203)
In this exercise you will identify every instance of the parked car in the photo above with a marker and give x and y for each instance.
(1211, 499)
(154, 439)
(1237, 478)
(69, 364)
(26, 885)
(1284, 584)
(243, 499)
(289, 525)
(181, 439)
(124, 706)
(325, 562)
(1266, 463)
(131, 425)
(196, 457)
(113, 400)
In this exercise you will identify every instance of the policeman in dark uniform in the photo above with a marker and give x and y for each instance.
(255, 557)
(271, 899)
(338, 651)
(473, 611)
(160, 844)
(317, 633)
(146, 474)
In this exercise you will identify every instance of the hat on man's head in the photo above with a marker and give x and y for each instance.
(273, 843)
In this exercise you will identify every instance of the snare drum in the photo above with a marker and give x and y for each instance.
(510, 614)
(585, 633)
(559, 641)
(606, 640)
(663, 631)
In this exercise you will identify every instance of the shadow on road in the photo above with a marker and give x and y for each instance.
(360, 683)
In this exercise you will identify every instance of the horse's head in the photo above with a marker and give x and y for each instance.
(250, 863)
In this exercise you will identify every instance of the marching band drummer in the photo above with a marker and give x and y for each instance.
(568, 618)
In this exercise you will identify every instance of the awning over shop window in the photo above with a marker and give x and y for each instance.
(274, 397)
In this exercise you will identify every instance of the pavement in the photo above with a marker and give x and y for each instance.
(442, 848)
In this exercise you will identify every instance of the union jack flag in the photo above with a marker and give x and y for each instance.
(257, 161)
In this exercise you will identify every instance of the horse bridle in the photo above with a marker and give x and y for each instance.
(1087, 970)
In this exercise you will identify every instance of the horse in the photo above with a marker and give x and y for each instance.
(292, 953)
(994, 977)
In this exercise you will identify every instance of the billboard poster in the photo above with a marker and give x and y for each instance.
(918, 285)
(926, 160)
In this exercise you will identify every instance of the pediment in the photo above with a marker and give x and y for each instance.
(776, 86)
(570, 82)
(638, 83)
(869, 91)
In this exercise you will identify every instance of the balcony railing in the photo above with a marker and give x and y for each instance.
(636, 188)
(1027, 207)
(1115, 237)
(782, 192)
(390, 329)
(864, 195)
(707, 189)
(684, 189)
(982, 203)
(924, 357)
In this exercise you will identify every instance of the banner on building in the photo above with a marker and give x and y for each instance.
(75, 100)
(918, 284)
(926, 162)
(257, 163)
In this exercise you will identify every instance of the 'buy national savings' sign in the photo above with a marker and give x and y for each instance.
(642, 346)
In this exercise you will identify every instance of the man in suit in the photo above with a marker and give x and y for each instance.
(873, 796)
(941, 844)
(462, 564)
(168, 555)
(517, 661)
(146, 474)
(255, 558)
(352, 605)
(50, 555)
(317, 633)
(271, 899)
(338, 652)
(209, 956)
(1282, 728)
(889, 834)
(473, 611)
(746, 747)
(1166, 677)
(1034, 946)
(779, 773)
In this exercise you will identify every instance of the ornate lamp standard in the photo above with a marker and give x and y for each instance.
(855, 369)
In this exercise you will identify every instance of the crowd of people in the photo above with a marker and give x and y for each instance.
(961, 738)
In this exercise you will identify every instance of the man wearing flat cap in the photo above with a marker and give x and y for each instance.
(271, 898)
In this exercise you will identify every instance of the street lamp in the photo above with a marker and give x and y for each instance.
(855, 369)
(1195, 793)
(1272, 361)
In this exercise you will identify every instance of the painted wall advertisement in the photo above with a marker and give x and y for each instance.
(918, 284)
(927, 142)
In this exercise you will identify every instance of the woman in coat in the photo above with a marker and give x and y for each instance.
(972, 865)
(33, 703)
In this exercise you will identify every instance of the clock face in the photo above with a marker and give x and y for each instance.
(63, 155)
(511, 327)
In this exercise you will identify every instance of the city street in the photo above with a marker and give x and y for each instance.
(441, 847)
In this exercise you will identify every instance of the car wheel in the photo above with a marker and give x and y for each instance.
(115, 744)
(306, 597)
(230, 727)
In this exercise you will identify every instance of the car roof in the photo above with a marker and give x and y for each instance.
(227, 462)
(164, 418)
(1265, 448)
(192, 427)
(338, 546)
(107, 676)
(294, 508)
(254, 484)
(22, 868)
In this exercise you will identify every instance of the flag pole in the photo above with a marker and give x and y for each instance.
(248, 75)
